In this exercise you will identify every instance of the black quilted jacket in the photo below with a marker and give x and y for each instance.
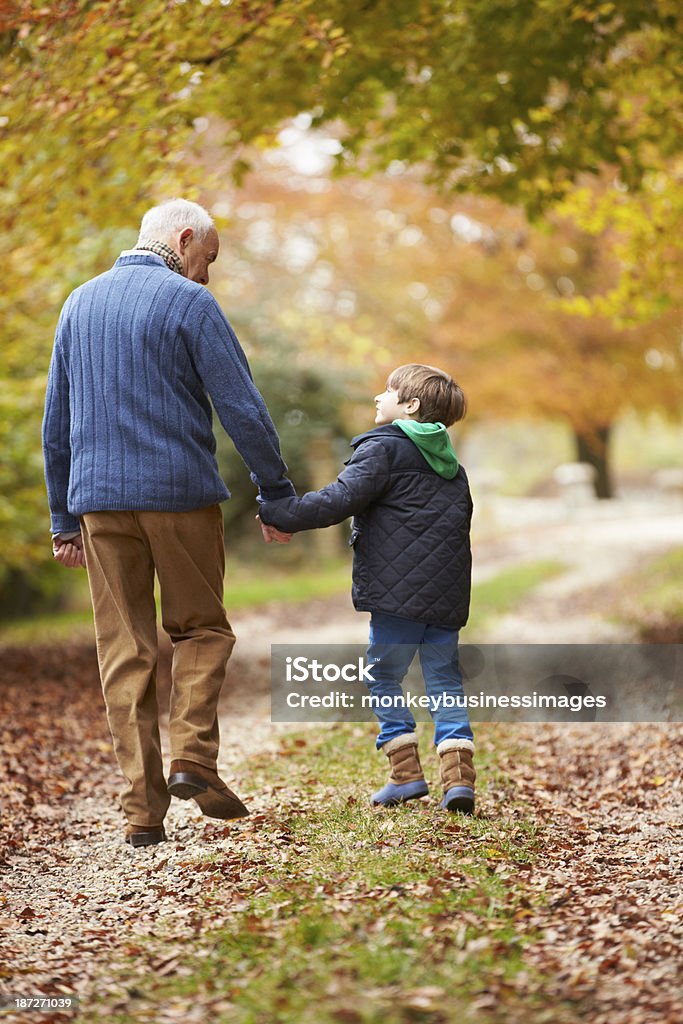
(410, 531)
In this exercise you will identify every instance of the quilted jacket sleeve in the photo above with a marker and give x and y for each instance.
(362, 482)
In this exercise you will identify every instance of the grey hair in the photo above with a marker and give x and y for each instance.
(163, 221)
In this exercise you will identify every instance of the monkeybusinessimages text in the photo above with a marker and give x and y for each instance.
(306, 670)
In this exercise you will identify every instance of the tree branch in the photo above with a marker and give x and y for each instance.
(228, 51)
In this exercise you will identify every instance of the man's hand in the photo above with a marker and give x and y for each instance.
(69, 552)
(270, 534)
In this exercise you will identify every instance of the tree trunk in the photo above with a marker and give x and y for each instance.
(323, 467)
(593, 448)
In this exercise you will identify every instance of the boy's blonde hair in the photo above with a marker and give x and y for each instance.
(441, 399)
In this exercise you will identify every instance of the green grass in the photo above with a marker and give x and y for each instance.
(660, 590)
(346, 914)
(49, 628)
(247, 587)
(652, 597)
(504, 592)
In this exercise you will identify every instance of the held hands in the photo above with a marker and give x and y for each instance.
(69, 552)
(270, 534)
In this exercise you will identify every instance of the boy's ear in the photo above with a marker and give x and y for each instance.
(413, 406)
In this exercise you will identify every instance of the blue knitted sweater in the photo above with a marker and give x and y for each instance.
(138, 352)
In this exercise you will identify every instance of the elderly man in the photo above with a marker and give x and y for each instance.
(134, 490)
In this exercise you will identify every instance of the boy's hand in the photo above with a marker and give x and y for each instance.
(69, 552)
(270, 534)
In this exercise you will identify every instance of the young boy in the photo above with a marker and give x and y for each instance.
(412, 509)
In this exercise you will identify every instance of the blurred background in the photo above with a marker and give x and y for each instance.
(391, 183)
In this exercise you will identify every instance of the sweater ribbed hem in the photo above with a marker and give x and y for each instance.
(64, 524)
(285, 490)
(151, 506)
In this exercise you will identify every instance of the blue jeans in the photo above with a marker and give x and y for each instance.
(393, 644)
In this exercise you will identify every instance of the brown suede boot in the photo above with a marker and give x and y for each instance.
(457, 775)
(193, 781)
(406, 779)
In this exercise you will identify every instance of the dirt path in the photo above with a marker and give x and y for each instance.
(74, 897)
(598, 544)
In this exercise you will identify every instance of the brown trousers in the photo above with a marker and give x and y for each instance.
(122, 551)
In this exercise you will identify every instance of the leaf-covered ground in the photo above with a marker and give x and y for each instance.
(560, 902)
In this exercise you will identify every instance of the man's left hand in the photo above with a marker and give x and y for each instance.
(69, 552)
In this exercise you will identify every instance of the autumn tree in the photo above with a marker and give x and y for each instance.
(372, 273)
(103, 103)
(528, 344)
(514, 99)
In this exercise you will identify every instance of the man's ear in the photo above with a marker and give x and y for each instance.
(184, 237)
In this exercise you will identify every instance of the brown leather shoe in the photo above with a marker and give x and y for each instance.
(193, 781)
(145, 835)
